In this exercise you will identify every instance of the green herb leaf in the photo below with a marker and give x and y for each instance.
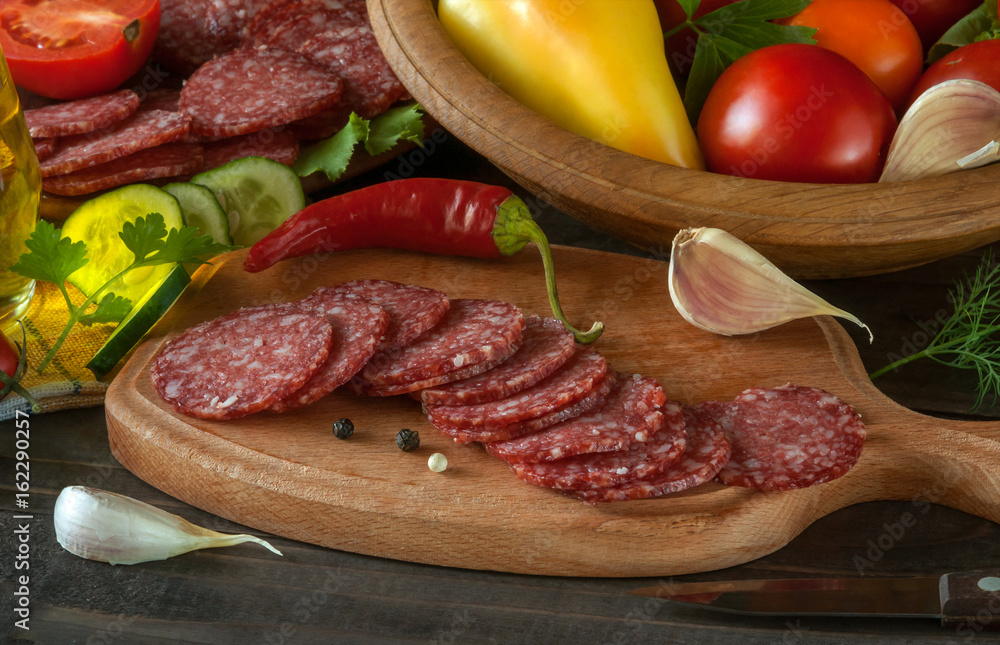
(395, 125)
(331, 156)
(50, 257)
(186, 245)
(144, 236)
(729, 33)
(689, 6)
(111, 309)
(970, 337)
(980, 24)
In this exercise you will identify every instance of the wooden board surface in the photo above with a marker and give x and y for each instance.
(810, 230)
(288, 475)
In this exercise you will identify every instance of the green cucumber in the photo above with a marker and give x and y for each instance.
(201, 209)
(98, 222)
(256, 193)
(144, 315)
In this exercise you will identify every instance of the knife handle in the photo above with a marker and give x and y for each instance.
(970, 601)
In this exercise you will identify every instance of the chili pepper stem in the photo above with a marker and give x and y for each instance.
(513, 230)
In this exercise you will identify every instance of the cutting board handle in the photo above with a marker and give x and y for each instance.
(970, 601)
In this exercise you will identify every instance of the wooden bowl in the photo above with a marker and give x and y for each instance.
(810, 230)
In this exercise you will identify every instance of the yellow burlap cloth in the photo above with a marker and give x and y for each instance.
(66, 382)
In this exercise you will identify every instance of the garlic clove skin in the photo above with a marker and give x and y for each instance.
(104, 526)
(954, 125)
(720, 284)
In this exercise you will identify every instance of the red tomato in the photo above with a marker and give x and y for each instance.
(69, 49)
(680, 46)
(875, 35)
(796, 113)
(8, 357)
(932, 18)
(977, 61)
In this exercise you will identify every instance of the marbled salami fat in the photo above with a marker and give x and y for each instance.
(790, 437)
(603, 470)
(358, 325)
(243, 362)
(472, 332)
(412, 309)
(351, 51)
(144, 129)
(168, 160)
(629, 415)
(707, 451)
(84, 115)
(248, 90)
(594, 399)
(44, 148)
(568, 384)
(192, 32)
(273, 143)
(546, 346)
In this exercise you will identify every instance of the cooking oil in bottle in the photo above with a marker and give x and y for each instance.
(20, 187)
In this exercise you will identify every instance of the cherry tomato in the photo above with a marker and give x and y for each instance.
(8, 357)
(875, 35)
(796, 113)
(977, 61)
(680, 46)
(69, 49)
(932, 18)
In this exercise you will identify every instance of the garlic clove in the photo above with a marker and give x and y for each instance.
(954, 125)
(100, 525)
(720, 284)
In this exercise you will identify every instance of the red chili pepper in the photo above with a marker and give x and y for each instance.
(440, 216)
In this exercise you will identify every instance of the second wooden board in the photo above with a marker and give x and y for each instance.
(287, 474)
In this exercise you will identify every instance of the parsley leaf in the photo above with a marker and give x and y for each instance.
(729, 33)
(111, 309)
(144, 236)
(50, 257)
(331, 156)
(981, 23)
(185, 246)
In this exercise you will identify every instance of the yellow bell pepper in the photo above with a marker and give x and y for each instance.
(596, 67)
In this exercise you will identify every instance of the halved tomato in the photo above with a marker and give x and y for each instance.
(70, 49)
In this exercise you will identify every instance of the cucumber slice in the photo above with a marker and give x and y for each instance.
(98, 222)
(144, 315)
(256, 193)
(201, 209)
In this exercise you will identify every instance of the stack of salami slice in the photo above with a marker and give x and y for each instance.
(263, 76)
(555, 411)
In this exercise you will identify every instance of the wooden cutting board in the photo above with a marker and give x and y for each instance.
(288, 475)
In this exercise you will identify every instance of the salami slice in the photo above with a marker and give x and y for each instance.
(358, 325)
(144, 129)
(352, 52)
(248, 90)
(296, 22)
(790, 437)
(241, 363)
(629, 415)
(706, 453)
(168, 160)
(470, 333)
(85, 115)
(546, 346)
(412, 309)
(280, 145)
(568, 384)
(593, 400)
(361, 386)
(44, 148)
(161, 99)
(192, 32)
(602, 470)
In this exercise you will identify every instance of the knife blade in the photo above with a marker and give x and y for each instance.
(966, 600)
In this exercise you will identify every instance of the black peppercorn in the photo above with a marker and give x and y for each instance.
(408, 440)
(343, 428)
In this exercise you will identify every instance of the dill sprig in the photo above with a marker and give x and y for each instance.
(968, 339)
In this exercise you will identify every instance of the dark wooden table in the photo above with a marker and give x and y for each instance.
(316, 595)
